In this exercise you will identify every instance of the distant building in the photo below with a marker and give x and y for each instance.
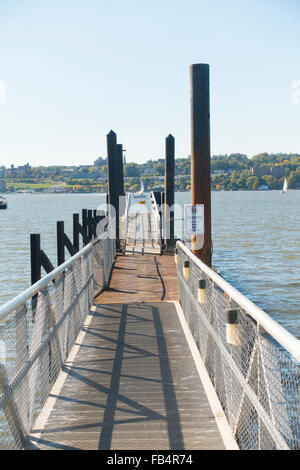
(57, 189)
(277, 171)
(81, 175)
(13, 172)
(68, 172)
(20, 170)
(263, 187)
(100, 162)
(2, 186)
(260, 171)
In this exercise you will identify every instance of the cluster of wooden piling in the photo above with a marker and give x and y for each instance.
(115, 179)
(87, 229)
(200, 167)
(200, 186)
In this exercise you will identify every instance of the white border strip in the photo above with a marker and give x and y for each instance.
(221, 420)
(42, 419)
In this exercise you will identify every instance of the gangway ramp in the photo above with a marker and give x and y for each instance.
(142, 227)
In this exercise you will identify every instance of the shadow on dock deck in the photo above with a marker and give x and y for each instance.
(133, 385)
(131, 382)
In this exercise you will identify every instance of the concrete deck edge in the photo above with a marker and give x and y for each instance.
(221, 420)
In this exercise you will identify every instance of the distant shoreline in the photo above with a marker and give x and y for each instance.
(104, 194)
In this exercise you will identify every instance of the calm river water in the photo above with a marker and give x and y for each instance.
(256, 240)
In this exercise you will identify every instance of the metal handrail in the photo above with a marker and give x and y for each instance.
(125, 221)
(158, 218)
(278, 332)
(21, 299)
(39, 328)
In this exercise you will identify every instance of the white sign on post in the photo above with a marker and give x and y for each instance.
(194, 219)
(194, 225)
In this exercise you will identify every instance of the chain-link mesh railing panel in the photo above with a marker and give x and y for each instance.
(155, 224)
(36, 338)
(104, 251)
(255, 378)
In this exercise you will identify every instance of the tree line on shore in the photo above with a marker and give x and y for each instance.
(228, 172)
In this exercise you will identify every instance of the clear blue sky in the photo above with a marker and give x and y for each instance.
(74, 69)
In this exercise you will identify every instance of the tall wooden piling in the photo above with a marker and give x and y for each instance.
(35, 255)
(85, 225)
(200, 154)
(169, 191)
(90, 222)
(113, 178)
(76, 232)
(60, 232)
(120, 174)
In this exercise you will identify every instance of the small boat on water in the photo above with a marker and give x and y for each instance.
(285, 187)
(3, 203)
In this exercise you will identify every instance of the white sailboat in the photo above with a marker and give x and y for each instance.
(285, 187)
(141, 193)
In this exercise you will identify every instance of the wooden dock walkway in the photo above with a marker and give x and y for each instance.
(133, 383)
(137, 278)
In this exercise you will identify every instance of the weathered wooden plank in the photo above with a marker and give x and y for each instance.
(136, 278)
